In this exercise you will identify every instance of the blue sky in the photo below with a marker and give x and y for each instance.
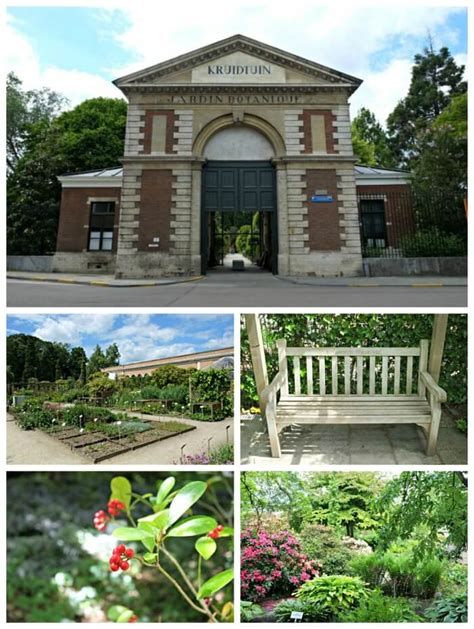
(79, 50)
(138, 336)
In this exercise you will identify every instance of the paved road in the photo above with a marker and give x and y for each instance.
(234, 290)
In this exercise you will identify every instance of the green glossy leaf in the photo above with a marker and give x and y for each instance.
(227, 532)
(114, 612)
(158, 520)
(125, 616)
(128, 533)
(165, 488)
(149, 543)
(194, 525)
(121, 489)
(206, 547)
(145, 526)
(215, 583)
(185, 498)
(150, 557)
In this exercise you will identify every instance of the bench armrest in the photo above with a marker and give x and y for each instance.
(274, 386)
(433, 388)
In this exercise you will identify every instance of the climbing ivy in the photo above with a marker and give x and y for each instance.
(358, 330)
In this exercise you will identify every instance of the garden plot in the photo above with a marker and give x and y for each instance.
(99, 446)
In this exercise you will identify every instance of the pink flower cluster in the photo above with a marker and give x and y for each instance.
(273, 565)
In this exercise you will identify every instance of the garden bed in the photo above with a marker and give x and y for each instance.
(85, 439)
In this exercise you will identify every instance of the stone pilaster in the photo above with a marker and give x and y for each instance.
(183, 136)
(297, 212)
(130, 210)
(348, 211)
(134, 133)
(294, 135)
(180, 237)
(342, 130)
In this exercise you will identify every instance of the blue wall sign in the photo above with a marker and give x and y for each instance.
(321, 198)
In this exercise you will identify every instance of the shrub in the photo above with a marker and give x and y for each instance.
(333, 594)
(72, 416)
(170, 374)
(399, 572)
(71, 395)
(321, 542)
(284, 610)
(249, 611)
(379, 608)
(449, 609)
(453, 579)
(178, 393)
(124, 430)
(272, 565)
(35, 418)
(432, 242)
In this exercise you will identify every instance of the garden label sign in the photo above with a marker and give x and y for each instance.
(296, 616)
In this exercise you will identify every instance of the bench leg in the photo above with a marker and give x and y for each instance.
(432, 436)
(273, 434)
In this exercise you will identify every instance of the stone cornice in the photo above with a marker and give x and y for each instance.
(180, 88)
(237, 43)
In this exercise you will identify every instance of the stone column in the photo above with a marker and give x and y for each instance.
(196, 215)
(282, 219)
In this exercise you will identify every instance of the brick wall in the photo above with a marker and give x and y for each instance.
(155, 210)
(398, 208)
(323, 218)
(73, 229)
(329, 119)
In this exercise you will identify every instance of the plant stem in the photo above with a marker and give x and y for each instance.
(180, 589)
(199, 571)
(187, 581)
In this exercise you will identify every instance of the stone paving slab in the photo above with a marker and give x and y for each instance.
(399, 444)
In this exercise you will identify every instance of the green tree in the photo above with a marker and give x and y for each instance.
(25, 109)
(430, 505)
(89, 136)
(78, 360)
(370, 140)
(112, 355)
(344, 499)
(441, 168)
(96, 362)
(436, 79)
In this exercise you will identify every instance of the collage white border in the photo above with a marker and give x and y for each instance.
(236, 311)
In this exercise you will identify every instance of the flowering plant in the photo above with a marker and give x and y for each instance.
(166, 520)
(273, 565)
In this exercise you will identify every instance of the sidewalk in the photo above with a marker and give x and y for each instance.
(96, 280)
(351, 282)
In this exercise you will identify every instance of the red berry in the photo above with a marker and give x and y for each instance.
(114, 567)
(120, 549)
(219, 528)
(130, 553)
(133, 619)
(125, 565)
(213, 534)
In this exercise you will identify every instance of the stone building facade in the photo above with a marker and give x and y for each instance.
(235, 126)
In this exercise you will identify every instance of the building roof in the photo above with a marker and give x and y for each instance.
(173, 360)
(112, 177)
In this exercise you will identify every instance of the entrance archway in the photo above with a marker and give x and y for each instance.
(239, 205)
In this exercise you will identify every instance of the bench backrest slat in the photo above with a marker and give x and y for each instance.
(362, 371)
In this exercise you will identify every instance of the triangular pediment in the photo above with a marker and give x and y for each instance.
(238, 60)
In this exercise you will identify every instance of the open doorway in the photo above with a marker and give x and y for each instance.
(239, 217)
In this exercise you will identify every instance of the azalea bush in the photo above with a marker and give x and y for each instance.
(272, 565)
(145, 543)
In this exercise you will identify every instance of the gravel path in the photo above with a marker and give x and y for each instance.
(25, 447)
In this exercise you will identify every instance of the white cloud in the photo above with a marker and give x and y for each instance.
(72, 328)
(76, 85)
(375, 43)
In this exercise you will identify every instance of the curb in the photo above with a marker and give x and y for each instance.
(99, 283)
(370, 285)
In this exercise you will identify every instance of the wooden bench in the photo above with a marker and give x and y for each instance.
(347, 385)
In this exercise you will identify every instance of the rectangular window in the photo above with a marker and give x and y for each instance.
(101, 234)
(372, 218)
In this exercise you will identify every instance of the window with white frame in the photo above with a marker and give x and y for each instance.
(101, 225)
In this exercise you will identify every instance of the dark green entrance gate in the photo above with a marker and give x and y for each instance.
(239, 213)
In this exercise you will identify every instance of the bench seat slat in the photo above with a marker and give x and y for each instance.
(352, 399)
(350, 419)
